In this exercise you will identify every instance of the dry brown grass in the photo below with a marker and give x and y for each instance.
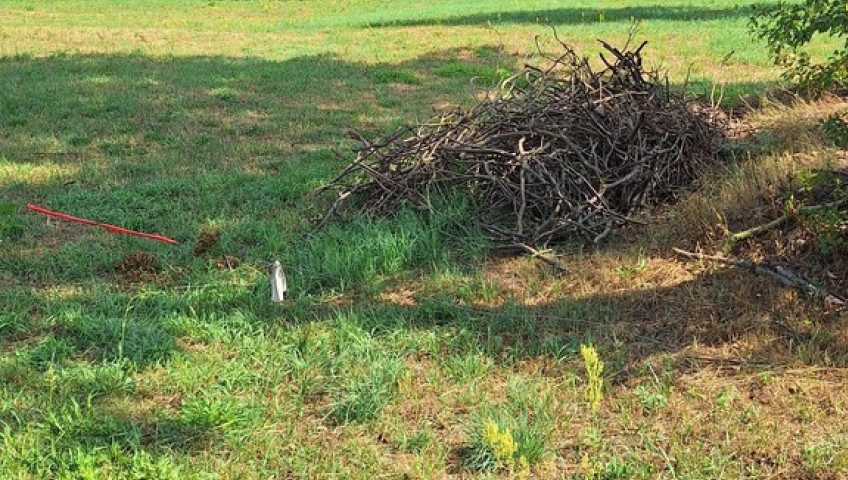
(710, 372)
(779, 141)
(752, 373)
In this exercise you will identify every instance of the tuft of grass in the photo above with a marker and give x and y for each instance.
(414, 442)
(49, 352)
(824, 458)
(361, 254)
(11, 226)
(465, 368)
(203, 413)
(617, 468)
(363, 398)
(135, 340)
(651, 398)
(385, 75)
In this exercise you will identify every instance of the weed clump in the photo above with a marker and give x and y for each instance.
(835, 130)
(495, 448)
(594, 381)
(206, 241)
(513, 437)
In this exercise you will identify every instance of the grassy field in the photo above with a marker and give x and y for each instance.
(401, 343)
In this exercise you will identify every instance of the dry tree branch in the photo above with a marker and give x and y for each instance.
(781, 274)
(556, 153)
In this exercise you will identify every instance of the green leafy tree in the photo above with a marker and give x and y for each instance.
(789, 27)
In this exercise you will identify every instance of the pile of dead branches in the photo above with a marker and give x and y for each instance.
(563, 152)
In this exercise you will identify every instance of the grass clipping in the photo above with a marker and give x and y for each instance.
(551, 155)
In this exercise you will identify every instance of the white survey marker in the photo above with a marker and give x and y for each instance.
(278, 281)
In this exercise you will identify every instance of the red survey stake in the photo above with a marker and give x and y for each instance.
(85, 221)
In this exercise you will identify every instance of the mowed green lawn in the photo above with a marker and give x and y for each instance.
(399, 339)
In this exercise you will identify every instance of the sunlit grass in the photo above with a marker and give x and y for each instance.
(400, 336)
(33, 175)
(398, 32)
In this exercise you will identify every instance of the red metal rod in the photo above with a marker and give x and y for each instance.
(85, 221)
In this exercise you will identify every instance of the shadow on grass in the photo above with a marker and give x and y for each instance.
(768, 326)
(75, 109)
(64, 439)
(70, 389)
(580, 16)
(171, 145)
(728, 310)
(175, 145)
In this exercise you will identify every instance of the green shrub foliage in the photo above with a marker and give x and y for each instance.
(790, 27)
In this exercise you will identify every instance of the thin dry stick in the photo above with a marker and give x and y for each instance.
(336, 204)
(541, 256)
(735, 238)
(782, 275)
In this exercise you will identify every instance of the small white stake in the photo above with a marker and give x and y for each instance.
(278, 281)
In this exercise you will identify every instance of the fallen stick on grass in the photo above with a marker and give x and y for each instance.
(783, 275)
(537, 254)
(737, 237)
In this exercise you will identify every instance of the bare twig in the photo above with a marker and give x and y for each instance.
(537, 254)
(735, 238)
(781, 274)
